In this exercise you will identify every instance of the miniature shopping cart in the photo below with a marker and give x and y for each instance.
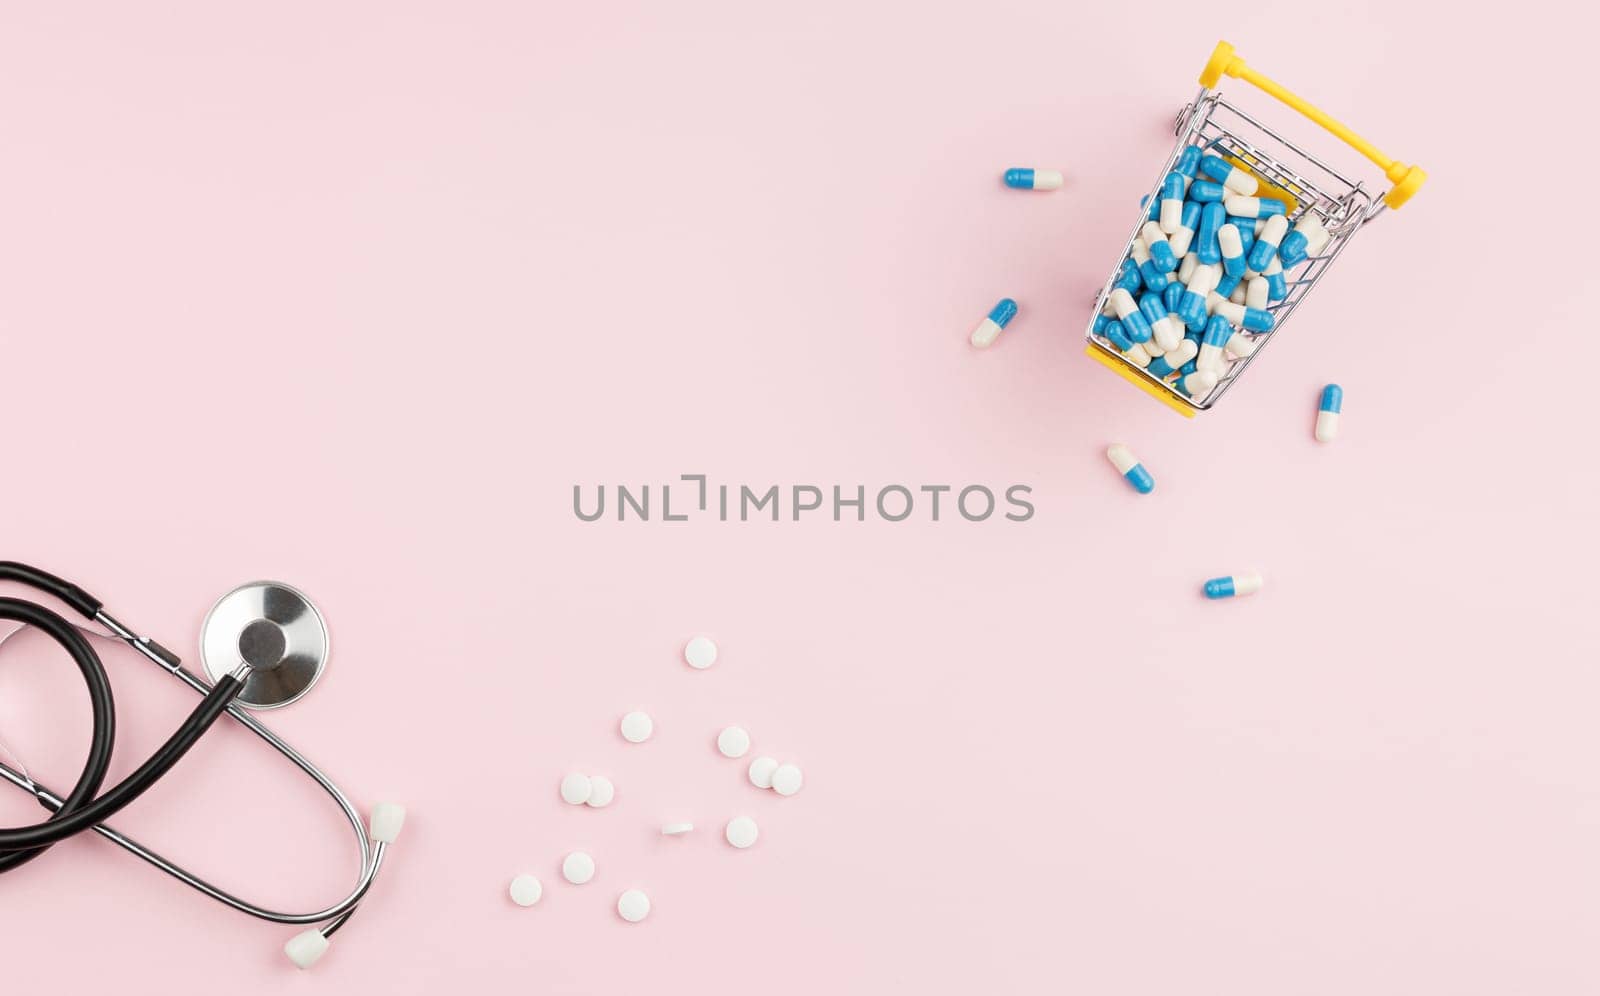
(1285, 172)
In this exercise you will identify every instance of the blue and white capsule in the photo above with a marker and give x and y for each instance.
(1116, 335)
(1252, 319)
(1173, 360)
(1233, 585)
(1267, 243)
(1207, 192)
(1171, 295)
(1192, 305)
(1133, 321)
(1232, 249)
(1253, 207)
(1189, 161)
(1247, 234)
(1188, 222)
(1277, 283)
(1228, 284)
(1165, 331)
(999, 317)
(1022, 178)
(1308, 238)
(1256, 293)
(1328, 413)
(1127, 276)
(1152, 276)
(1155, 242)
(1212, 218)
(1196, 383)
(1129, 467)
(1171, 202)
(1217, 334)
(1229, 175)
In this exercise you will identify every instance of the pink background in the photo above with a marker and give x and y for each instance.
(352, 295)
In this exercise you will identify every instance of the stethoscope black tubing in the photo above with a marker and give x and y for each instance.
(105, 719)
(84, 806)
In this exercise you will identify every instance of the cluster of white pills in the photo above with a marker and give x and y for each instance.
(597, 791)
(1206, 274)
(784, 779)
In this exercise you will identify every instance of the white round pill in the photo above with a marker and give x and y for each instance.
(741, 832)
(787, 779)
(576, 789)
(577, 868)
(733, 742)
(633, 906)
(601, 791)
(701, 653)
(674, 829)
(761, 770)
(526, 890)
(637, 727)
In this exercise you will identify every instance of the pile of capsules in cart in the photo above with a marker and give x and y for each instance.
(1204, 277)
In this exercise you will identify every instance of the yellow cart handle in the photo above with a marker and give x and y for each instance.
(1406, 179)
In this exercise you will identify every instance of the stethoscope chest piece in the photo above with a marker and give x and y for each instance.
(277, 631)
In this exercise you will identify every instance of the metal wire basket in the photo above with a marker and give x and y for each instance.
(1304, 182)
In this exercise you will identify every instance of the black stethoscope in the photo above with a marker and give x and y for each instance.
(263, 645)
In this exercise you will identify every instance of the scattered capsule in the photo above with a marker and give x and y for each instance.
(1129, 466)
(1254, 207)
(1155, 241)
(1188, 221)
(1253, 319)
(1133, 321)
(1240, 345)
(1255, 293)
(1195, 383)
(1232, 248)
(988, 330)
(1189, 161)
(1328, 413)
(1277, 283)
(1174, 360)
(1034, 179)
(1212, 218)
(1308, 237)
(1231, 176)
(1236, 584)
(1267, 243)
(1206, 192)
(1171, 202)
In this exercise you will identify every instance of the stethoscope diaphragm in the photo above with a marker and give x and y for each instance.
(275, 629)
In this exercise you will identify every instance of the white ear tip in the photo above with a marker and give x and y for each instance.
(306, 947)
(387, 819)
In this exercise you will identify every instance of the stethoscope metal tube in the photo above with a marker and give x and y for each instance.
(372, 846)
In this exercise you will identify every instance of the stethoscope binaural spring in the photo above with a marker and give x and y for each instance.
(263, 645)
